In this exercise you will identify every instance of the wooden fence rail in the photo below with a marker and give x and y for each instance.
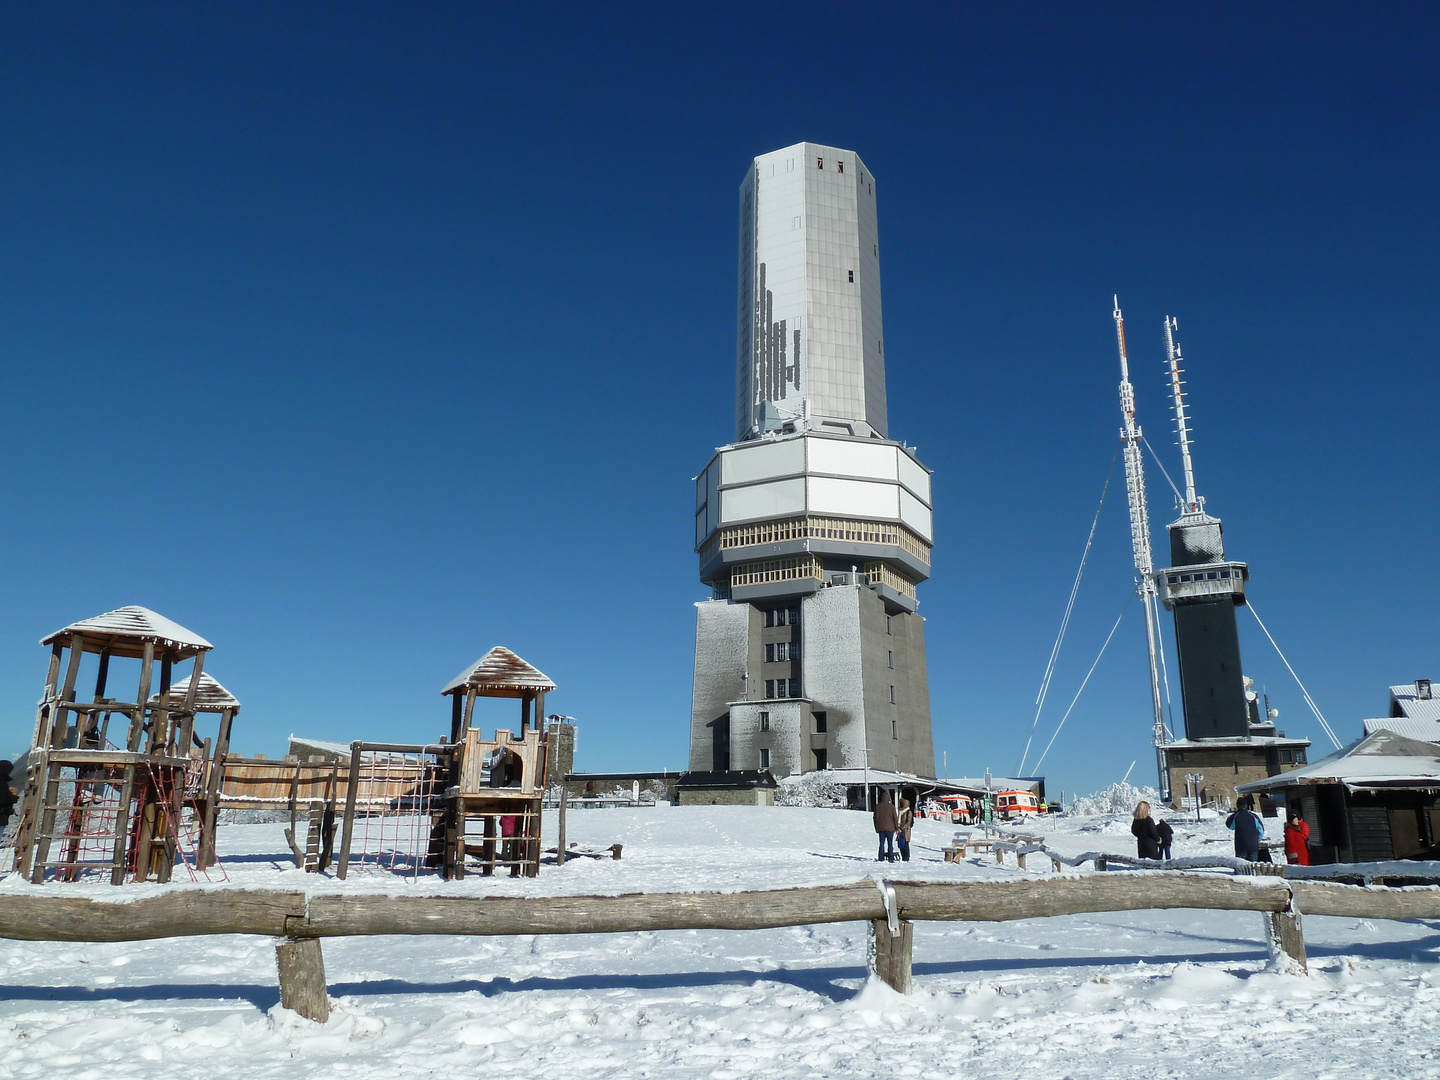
(891, 908)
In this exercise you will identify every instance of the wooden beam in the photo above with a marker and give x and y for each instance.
(137, 726)
(302, 978)
(178, 913)
(1355, 901)
(1005, 900)
(339, 916)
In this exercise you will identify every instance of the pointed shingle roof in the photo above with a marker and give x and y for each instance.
(500, 673)
(127, 628)
(209, 697)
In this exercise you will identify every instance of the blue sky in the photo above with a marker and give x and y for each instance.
(360, 338)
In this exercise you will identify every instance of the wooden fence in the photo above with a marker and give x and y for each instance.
(891, 908)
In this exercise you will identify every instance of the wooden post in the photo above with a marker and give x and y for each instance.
(347, 830)
(46, 820)
(137, 726)
(455, 706)
(302, 978)
(102, 675)
(469, 713)
(1284, 936)
(893, 953)
(560, 841)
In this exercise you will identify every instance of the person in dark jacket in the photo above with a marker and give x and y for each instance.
(887, 823)
(1167, 834)
(1248, 828)
(8, 795)
(1147, 836)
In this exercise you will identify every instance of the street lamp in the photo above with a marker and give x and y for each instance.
(1193, 781)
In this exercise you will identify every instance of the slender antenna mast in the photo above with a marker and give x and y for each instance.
(1193, 504)
(1131, 438)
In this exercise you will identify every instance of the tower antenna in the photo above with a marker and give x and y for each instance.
(1193, 504)
(1130, 439)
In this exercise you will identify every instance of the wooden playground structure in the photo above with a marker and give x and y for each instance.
(128, 802)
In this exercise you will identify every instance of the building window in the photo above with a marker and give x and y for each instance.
(820, 720)
(822, 759)
(769, 688)
(764, 721)
(819, 163)
(892, 695)
(764, 758)
(887, 624)
(852, 277)
(894, 729)
(839, 166)
(794, 688)
(890, 658)
(783, 617)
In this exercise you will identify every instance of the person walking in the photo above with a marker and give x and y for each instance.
(1147, 836)
(886, 825)
(1297, 839)
(1249, 830)
(907, 822)
(1167, 834)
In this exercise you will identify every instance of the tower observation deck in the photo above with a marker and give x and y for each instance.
(813, 528)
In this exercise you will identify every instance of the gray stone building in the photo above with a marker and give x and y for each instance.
(814, 528)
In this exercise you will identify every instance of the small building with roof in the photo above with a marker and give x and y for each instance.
(1374, 800)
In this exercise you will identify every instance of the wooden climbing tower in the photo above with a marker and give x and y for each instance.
(104, 797)
(501, 781)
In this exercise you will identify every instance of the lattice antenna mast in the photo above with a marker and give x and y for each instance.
(1193, 503)
(1130, 438)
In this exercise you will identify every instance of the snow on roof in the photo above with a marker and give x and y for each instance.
(341, 749)
(500, 673)
(1424, 730)
(1382, 759)
(1411, 705)
(135, 624)
(210, 696)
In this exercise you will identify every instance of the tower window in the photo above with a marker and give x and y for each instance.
(822, 759)
(890, 658)
(764, 721)
(892, 695)
(764, 757)
(852, 275)
(894, 729)
(819, 163)
(820, 721)
(839, 166)
(887, 624)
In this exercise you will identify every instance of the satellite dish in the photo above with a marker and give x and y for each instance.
(1273, 714)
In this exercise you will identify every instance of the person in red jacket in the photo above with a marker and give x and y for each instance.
(1297, 840)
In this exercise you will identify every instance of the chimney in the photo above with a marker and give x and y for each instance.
(1422, 689)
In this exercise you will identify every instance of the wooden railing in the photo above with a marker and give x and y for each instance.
(891, 908)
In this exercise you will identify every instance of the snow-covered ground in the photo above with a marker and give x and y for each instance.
(1149, 994)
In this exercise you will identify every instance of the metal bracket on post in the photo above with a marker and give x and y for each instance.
(892, 908)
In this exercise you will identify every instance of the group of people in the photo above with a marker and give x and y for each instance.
(1152, 838)
(893, 824)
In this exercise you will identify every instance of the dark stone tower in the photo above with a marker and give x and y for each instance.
(1203, 590)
